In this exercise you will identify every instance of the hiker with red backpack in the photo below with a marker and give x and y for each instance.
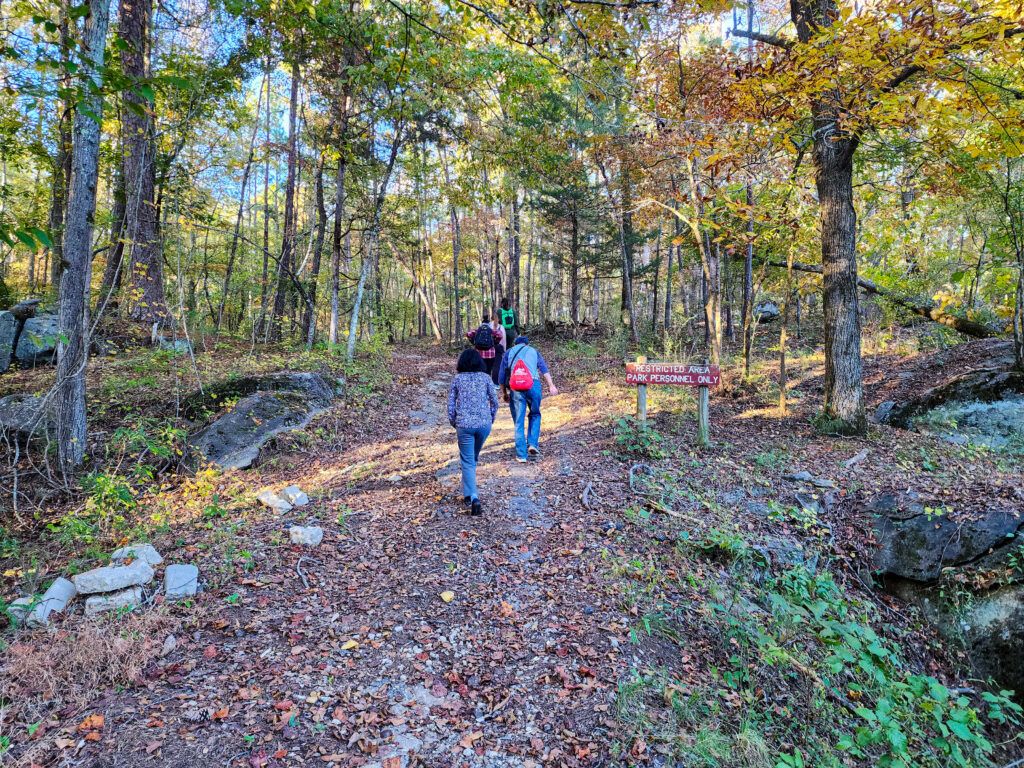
(521, 370)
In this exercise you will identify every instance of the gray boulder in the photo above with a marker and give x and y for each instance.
(20, 417)
(919, 547)
(984, 386)
(767, 312)
(916, 547)
(54, 600)
(275, 502)
(114, 601)
(8, 335)
(295, 496)
(37, 342)
(145, 552)
(112, 578)
(177, 347)
(234, 439)
(310, 536)
(23, 310)
(180, 580)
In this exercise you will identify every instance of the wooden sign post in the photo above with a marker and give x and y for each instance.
(701, 376)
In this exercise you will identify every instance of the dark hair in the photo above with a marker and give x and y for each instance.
(471, 362)
(506, 304)
(487, 317)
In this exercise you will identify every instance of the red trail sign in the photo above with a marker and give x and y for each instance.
(673, 373)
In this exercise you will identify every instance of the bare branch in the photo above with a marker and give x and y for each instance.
(776, 40)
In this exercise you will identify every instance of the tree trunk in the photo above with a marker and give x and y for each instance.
(370, 242)
(264, 284)
(748, 283)
(288, 238)
(61, 178)
(574, 265)
(72, 346)
(238, 218)
(146, 299)
(309, 318)
(516, 251)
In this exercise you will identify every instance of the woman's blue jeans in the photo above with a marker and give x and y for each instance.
(471, 442)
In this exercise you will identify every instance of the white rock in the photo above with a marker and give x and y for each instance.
(145, 552)
(274, 501)
(113, 601)
(19, 609)
(112, 578)
(169, 645)
(295, 496)
(56, 598)
(395, 478)
(180, 580)
(309, 537)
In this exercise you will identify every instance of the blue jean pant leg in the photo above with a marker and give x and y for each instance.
(533, 397)
(526, 411)
(471, 441)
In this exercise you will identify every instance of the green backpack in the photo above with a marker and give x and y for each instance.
(508, 318)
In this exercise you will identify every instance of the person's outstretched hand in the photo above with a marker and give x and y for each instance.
(552, 390)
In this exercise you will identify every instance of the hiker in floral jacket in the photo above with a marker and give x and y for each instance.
(472, 406)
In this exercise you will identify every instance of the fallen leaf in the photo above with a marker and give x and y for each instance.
(283, 705)
(349, 645)
(91, 722)
(210, 652)
(447, 596)
(220, 714)
(469, 738)
(92, 736)
(279, 755)
(64, 743)
(153, 746)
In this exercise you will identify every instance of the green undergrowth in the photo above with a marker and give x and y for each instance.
(759, 656)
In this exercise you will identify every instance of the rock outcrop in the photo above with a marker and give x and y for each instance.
(37, 342)
(920, 547)
(277, 404)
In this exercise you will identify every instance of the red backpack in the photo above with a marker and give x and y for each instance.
(520, 379)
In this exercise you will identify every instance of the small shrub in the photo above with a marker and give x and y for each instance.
(632, 438)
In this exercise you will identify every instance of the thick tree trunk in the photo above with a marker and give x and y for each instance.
(288, 238)
(844, 397)
(146, 299)
(73, 343)
(61, 178)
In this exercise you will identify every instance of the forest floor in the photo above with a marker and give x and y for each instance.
(584, 619)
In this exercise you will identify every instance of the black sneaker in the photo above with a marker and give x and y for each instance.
(475, 509)
(466, 500)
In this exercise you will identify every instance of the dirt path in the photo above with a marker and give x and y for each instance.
(370, 665)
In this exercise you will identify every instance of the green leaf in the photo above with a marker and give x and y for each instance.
(42, 237)
(866, 713)
(25, 237)
(960, 730)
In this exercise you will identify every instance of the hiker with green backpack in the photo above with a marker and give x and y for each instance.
(521, 370)
(508, 319)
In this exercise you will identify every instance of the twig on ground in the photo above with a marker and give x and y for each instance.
(585, 499)
(652, 504)
(298, 570)
(233, 758)
(632, 470)
(856, 459)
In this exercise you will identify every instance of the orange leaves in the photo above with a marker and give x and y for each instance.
(92, 723)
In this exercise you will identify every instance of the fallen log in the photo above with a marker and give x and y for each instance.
(928, 311)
